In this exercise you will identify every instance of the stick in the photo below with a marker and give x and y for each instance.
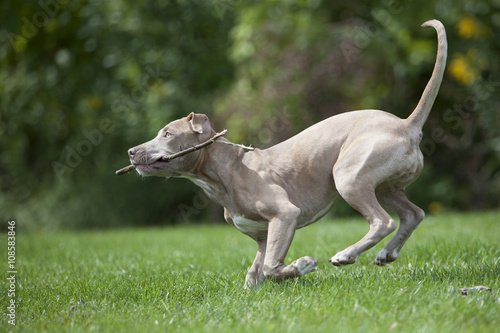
(178, 154)
(193, 148)
(125, 170)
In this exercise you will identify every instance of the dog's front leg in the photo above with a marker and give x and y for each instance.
(279, 237)
(255, 276)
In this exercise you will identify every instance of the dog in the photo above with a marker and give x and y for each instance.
(367, 157)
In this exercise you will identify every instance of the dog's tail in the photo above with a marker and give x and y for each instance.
(421, 112)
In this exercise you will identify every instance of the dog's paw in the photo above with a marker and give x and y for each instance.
(384, 257)
(304, 265)
(253, 282)
(343, 258)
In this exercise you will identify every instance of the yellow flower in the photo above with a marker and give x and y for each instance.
(466, 68)
(468, 27)
(435, 207)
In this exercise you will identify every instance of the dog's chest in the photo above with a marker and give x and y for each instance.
(247, 226)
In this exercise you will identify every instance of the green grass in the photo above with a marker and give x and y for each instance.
(189, 279)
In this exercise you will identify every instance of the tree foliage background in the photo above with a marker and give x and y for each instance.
(83, 81)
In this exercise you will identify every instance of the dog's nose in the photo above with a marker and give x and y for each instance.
(131, 152)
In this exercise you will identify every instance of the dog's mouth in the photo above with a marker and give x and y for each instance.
(150, 168)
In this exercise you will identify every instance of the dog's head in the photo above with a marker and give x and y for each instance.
(174, 137)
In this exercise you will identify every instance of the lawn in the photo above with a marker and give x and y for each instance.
(189, 279)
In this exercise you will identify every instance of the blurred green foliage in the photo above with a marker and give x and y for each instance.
(83, 81)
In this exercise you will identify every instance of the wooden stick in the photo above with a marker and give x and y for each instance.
(125, 170)
(178, 154)
(193, 148)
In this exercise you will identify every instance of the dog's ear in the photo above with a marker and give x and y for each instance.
(196, 121)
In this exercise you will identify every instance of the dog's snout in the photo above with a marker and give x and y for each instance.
(132, 152)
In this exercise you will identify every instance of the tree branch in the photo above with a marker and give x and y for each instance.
(178, 154)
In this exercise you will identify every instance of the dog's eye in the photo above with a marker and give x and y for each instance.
(168, 134)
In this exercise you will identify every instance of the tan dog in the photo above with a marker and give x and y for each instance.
(367, 157)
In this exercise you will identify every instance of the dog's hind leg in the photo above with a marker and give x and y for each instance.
(410, 217)
(362, 198)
